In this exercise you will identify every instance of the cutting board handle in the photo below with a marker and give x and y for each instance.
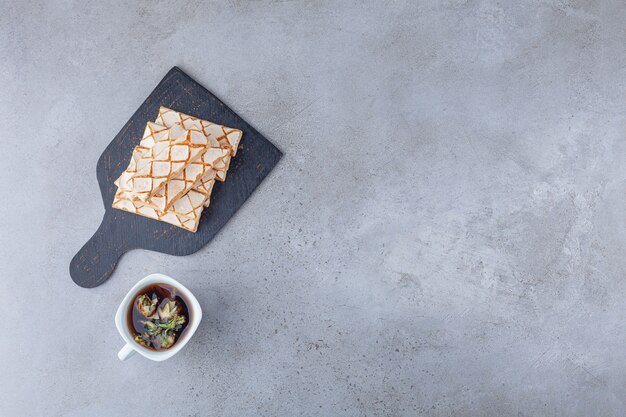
(95, 262)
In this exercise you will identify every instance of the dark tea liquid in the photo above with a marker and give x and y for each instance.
(163, 293)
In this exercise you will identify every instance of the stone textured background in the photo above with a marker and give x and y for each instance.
(445, 235)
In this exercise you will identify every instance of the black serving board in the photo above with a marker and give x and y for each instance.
(121, 231)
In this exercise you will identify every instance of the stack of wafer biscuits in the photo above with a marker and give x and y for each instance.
(172, 170)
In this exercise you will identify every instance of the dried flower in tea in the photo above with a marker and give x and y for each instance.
(147, 306)
(169, 310)
(165, 340)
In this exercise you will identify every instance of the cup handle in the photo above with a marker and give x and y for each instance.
(125, 352)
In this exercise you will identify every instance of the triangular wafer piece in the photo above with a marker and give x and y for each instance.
(190, 205)
(228, 137)
(221, 168)
(125, 201)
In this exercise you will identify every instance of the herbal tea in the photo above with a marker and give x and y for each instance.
(158, 316)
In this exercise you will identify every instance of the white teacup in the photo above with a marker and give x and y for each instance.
(122, 324)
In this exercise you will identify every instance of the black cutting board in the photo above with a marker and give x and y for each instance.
(121, 231)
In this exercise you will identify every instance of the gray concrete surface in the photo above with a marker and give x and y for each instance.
(445, 235)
